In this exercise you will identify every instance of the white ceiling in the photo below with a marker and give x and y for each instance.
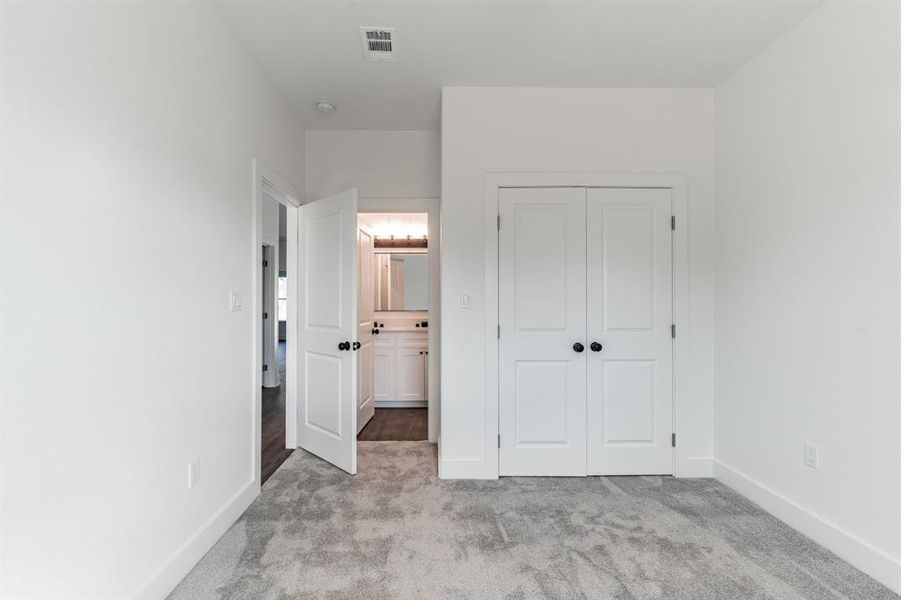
(311, 49)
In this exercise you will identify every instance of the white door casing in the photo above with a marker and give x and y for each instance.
(366, 308)
(630, 313)
(328, 317)
(542, 379)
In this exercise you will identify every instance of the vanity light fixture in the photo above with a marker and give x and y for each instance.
(408, 242)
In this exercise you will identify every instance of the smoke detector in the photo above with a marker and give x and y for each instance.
(379, 44)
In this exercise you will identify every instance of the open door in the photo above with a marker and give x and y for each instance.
(366, 327)
(327, 327)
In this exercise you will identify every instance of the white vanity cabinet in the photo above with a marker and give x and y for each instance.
(400, 368)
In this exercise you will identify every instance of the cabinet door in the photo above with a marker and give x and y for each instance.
(384, 374)
(411, 365)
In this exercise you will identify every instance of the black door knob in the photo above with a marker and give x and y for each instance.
(344, 346)
(596, 347)
(375, 331)
(578, 347)
(356, 345)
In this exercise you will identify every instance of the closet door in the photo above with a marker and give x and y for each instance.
(542, 376)
(630, 378)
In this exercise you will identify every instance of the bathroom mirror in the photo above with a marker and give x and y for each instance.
(402, 281)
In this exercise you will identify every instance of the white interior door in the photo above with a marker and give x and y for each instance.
(327, 329)
(270, 318)
(542, 316)
(366, 311)
(629, 315)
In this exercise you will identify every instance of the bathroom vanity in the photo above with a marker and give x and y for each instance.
(400, 366)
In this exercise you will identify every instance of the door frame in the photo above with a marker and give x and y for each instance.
(431, 206)
(264, 178)
(684, 465)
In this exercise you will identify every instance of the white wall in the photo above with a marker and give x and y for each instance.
(380, 164)
(576, 130)
(807, 280)
(127, 137)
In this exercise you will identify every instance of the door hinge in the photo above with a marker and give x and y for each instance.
(672, 330)
(498, 222)
(674, 440)
(265, 368)
(498, 441)
(672, 222)
(265, 315)
(498, 332)
(265, 263)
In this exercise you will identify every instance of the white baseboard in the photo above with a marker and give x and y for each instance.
(877, 564)
(167, 576)
(465, 469)
(694, 466)
(401, 404)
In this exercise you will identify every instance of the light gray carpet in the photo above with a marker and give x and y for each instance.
(396, 531)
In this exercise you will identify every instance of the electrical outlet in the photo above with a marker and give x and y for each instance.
(193, 475)
(812, 456)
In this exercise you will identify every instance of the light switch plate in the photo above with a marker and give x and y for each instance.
(234, 300)
(193, 475)
(465, 300)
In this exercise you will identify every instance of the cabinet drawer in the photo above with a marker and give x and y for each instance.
(412, 340)
(385, 340)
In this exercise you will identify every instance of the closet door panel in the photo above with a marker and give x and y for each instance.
(629, 285)
(542, 314)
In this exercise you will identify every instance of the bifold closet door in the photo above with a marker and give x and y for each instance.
(630, 307)
(542, 314)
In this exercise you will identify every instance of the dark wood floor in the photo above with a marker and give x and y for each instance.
(274, 452)
(397, 424)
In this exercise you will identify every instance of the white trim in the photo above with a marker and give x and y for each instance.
(161, 583)
(278, 187)
(465, 469)
(683, 464)
(432, 206)
(874, 562)
(401, 403)
(264, 177)
(696, 467)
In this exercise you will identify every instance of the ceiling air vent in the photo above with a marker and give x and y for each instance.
(379, 43)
